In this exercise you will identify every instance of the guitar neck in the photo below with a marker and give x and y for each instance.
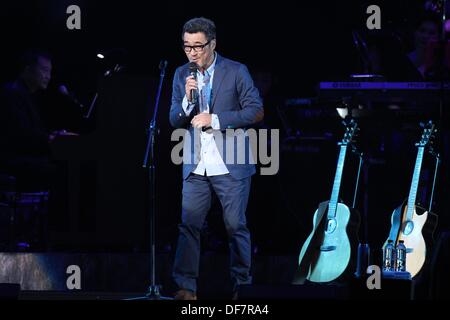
(415, 183)
(337, 183)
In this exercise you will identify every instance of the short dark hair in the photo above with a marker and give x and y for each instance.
(30, 58)
(428, 16)
(201, 24)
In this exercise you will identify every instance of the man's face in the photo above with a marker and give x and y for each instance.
(200, 54)
(41, 72)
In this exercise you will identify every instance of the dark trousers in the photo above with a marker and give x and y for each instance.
(233, 195)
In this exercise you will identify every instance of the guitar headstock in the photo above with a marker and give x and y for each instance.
(351, 130)
(429, 130)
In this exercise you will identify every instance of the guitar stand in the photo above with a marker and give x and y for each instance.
(436, 169)
(360, 155)
(363, 250)
(363, 253)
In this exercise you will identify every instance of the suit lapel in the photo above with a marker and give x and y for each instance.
(219, 75)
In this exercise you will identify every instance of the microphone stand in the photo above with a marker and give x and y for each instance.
(149, 163)
(363, 52)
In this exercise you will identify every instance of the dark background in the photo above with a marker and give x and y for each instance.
(300, 43)
(288, 46)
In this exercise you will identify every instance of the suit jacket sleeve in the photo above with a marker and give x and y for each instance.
(177, 116)
(251, 111)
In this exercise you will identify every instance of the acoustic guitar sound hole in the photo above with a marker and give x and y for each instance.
(409, 226)
(331, 225)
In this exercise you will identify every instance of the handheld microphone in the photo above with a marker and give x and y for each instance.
(193, 72)
(62, 89)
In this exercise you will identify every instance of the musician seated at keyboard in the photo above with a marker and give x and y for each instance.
(24, 140)
(405, 59)
(427, 30)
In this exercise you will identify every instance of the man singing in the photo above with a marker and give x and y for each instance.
(225, 98)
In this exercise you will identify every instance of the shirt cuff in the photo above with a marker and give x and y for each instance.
(215, 124)
(187, 107)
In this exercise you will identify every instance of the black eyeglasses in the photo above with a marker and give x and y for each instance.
(197, 48)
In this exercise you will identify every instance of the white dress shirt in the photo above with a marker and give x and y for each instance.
(211, 161)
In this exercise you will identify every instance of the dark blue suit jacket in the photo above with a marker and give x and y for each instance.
(236, 102)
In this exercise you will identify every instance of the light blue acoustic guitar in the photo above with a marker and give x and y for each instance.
(329, 248)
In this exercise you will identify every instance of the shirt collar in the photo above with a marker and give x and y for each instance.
(211, 68)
